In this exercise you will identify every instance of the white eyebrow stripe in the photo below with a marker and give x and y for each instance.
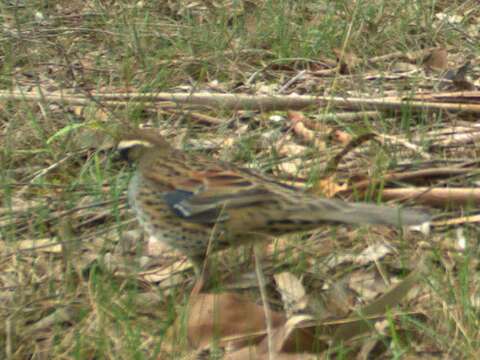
(125, 144)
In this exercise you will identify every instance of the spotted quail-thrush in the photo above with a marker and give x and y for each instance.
(193, 203)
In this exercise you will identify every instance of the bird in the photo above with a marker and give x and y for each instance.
(197, 204)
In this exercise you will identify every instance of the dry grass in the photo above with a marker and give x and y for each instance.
(76, 279)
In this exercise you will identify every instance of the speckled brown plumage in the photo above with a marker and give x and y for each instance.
(189, 201)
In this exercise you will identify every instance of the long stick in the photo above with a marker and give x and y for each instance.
(249, 102)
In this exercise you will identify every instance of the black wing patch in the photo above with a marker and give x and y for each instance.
(179, 201)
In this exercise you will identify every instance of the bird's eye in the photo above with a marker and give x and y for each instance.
(132, 150)
(124, 153)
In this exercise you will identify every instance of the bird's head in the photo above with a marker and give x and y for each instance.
(133, 144)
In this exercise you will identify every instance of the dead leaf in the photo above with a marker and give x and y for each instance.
(341, 137)
(171, 273)
(296, 116)
(290, 149)
(251, 352)
(298, 120)
(293, 294)
(403, 67)
(387, 301)
(292, 167)
(338, 301)
(437, 59)
(328, 187)
(227, 318)
(459, 80)
(449, 18)
(372, 253)
(367, 284)
(293, 338)
(366, 351)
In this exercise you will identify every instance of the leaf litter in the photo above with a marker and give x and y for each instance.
(69, 259)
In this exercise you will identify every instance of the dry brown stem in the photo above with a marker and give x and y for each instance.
(252, 102)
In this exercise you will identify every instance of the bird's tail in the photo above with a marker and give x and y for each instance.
(337, 211)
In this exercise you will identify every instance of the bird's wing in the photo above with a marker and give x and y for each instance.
(210, 196)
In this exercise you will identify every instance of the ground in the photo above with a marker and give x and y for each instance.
(78, 278)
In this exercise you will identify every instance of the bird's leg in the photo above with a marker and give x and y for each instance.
(200, 266)
(262, 286)
(198, 263)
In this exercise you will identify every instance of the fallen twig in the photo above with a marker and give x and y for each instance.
(441, 197)
(409, 175)
(250, 102)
